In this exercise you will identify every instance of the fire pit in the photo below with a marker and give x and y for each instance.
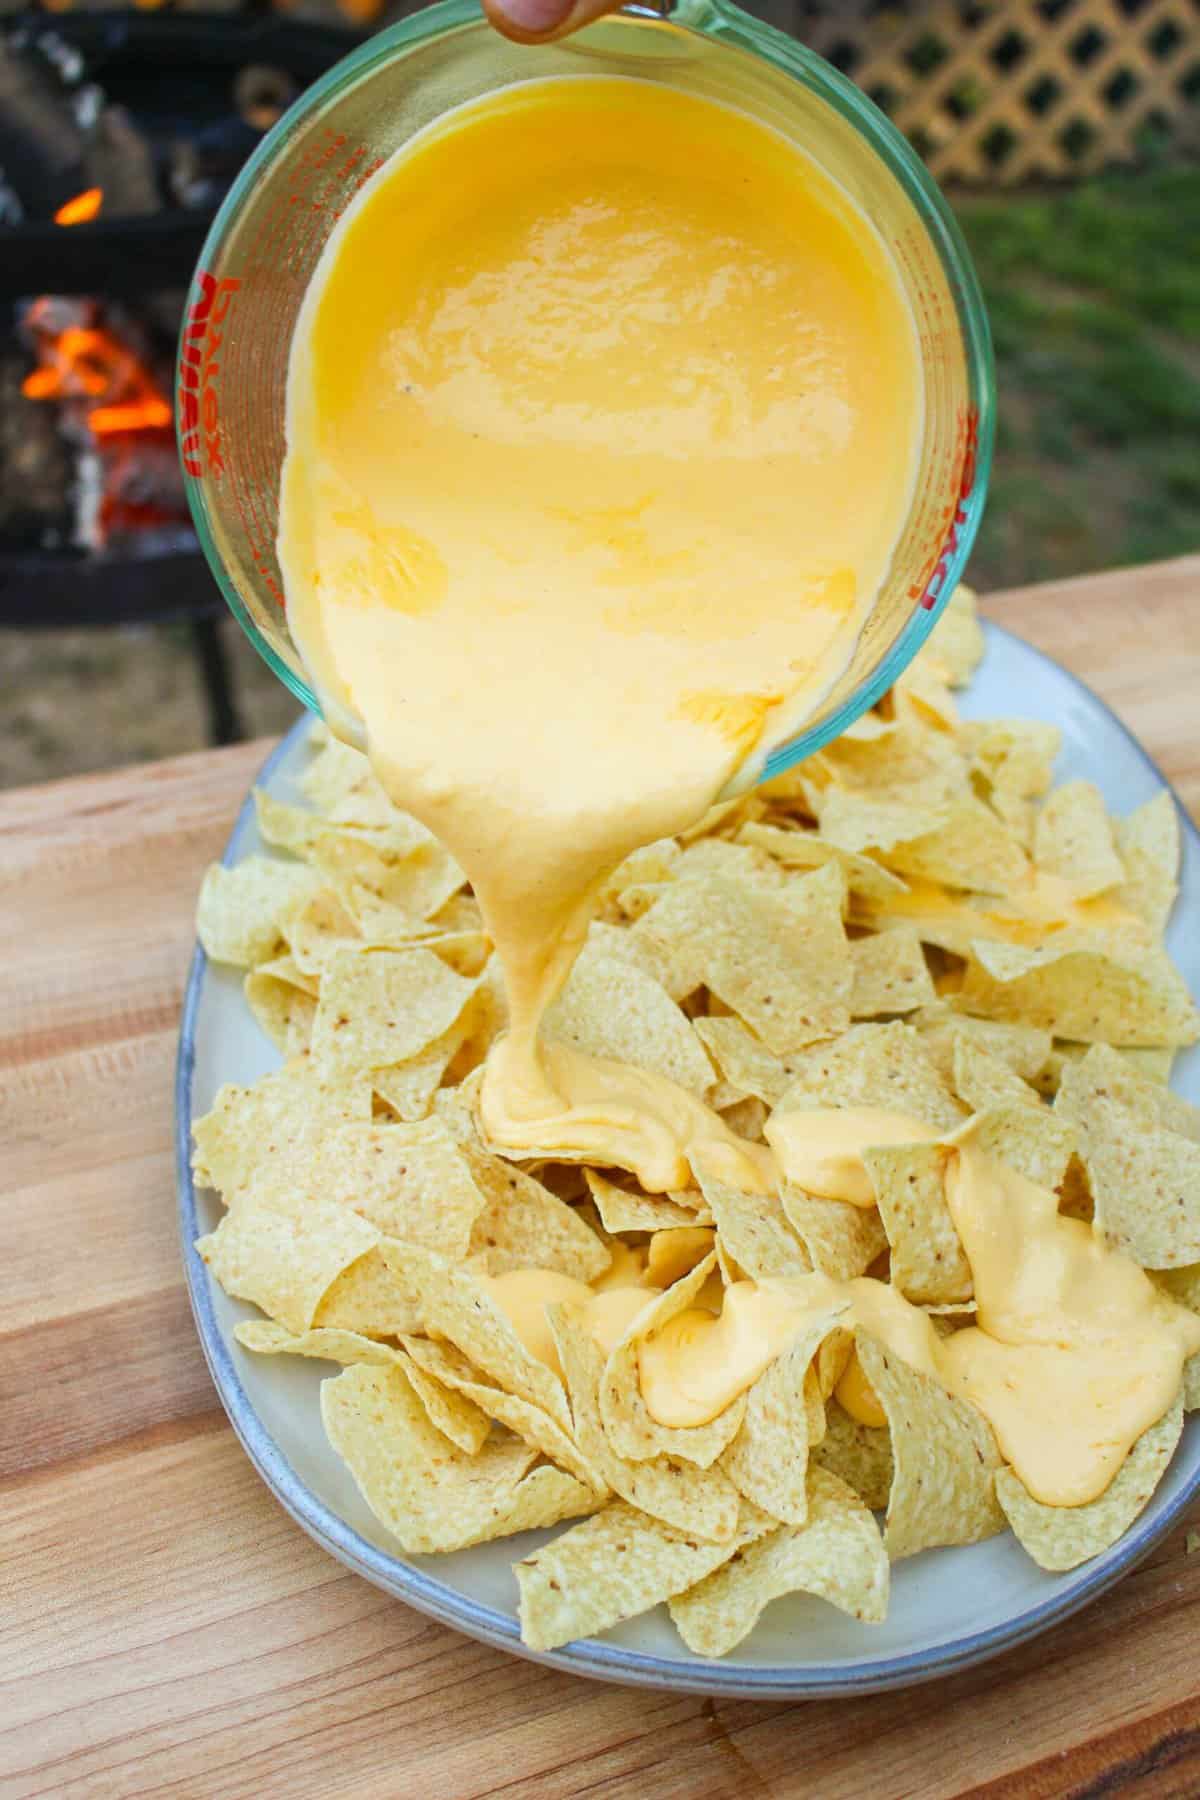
(120, 133)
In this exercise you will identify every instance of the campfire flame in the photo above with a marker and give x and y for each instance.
(83, 207)
(113, 410)
(86, 363)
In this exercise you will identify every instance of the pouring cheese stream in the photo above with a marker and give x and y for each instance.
(602, 419)
(602, 424)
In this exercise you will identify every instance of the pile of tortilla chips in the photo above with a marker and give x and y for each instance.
(910, 920)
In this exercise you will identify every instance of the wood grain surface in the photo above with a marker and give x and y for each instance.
(165, 1628)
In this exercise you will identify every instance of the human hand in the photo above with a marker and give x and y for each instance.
(540, 21)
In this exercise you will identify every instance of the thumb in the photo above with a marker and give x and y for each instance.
(539, 21)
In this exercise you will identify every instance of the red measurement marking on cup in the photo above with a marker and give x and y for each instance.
(235, 441)
(929, 587)
(199, 402)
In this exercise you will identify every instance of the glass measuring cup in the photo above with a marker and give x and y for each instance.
(265, 243)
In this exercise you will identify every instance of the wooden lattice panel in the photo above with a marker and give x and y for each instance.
(1021, 89)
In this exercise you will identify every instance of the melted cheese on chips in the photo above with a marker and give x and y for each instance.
(1074, 1355)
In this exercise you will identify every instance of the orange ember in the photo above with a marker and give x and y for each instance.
(91, 365)
(83, 207)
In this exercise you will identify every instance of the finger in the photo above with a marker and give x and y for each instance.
(540, 21)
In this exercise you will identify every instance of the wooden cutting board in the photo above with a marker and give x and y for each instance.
(165, 1627)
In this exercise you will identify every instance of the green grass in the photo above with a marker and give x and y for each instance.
(1095, 307)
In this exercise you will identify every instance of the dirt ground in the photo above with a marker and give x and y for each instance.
(74, 701)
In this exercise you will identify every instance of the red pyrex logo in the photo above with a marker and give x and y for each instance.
(199, 406)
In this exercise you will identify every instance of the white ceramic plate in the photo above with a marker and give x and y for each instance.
(949, 1608)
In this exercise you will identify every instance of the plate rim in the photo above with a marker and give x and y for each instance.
(593, 1657)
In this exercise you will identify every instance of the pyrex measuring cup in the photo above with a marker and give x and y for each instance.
(268, 236)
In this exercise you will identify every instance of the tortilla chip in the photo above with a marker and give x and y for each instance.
(429, 1494)
(1062, 1537)
(266, 1338)
(522, 1224)
(795, 849)
(742, 863)
(1014, 759)
(620, 1210)
(1149, 847)
(1108, 1074)
(746, 1118)
(674, 1252)
(702, 1503)
(754, 1230)
(411, 1181)
(283, 1000)
(318, 928)
(628, 1426)
(241, 911)
(411, 876)
(747, 1068)
(796, 791)
(339, 778)
(1114, 995)
(960, 843)
(860, 1455)
(1146, 1186)
(379, 1007)
(901, 761)
(727, 1267)
(768, 1459)
(778, 959)
(942, 921)
(454, 1417)
(455, 1305)
(642, 874)
(370, 1297)
(890, 974)
(284, 1255)
(1183, 1285)
(291, 828)
(662, 941)
(943, 1488)
(401, 911)
(407, 1088)
(450, 1369)
(1073, 838)
(1152, 1064)
(1024, 1049)
(928, 1263)
(884, 1066)
(839, 1239)
(836, 1554)
(276, 1120)
(614, 1566)
(612, 1009)
(984, 1080)
(920, 694)
(1037, 1144)
(956, 644)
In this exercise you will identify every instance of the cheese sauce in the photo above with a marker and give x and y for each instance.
(1028, 915)
(603, 413)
